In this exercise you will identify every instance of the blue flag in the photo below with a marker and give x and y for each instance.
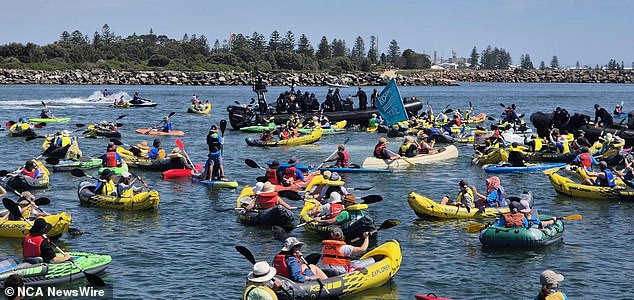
(390, 105)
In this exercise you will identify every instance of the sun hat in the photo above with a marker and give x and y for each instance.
(143, 145)
(262, 272)
(341, 146)
(335, 176)
(291, 242)
(126, 174)
(382, 140)
(608, 136)
(335, 197)
(275, 163)
(176, 150)
(550, 277)
(525, 207)
(40, 226)
(267, 188)
(326, 174)
(293, 160)
(258, 187)
(107, 173)
(65, 132)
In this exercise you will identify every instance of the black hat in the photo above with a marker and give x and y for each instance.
(275, 164)
(40, 226)
(107, 173)
(597, 106)
(292, 160)
(156, 143)
(213, 128)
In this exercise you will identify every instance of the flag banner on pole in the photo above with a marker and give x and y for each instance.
(390, 105)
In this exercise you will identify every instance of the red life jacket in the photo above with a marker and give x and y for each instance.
(378, 151)
(584, 160)
(271, 176)
(458, 122)
(111, 159)
(285, 135)
(31, 246)
(279, 263)
(332, 255)
(335, 209)
(267, 200)
(27, 173)
(343, 163)
(513, 220)
(290, 172)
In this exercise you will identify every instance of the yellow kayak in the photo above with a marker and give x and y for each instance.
(140, 201)
(566, 186)
(313, 137)
(494, 157)
(387, 261)
(427, 208)
(199, 109)
(18, 229)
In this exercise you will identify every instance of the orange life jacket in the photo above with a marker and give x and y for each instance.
(343, 163)
(378, 151)
(266, 200)
(335, 209)
(271, 176)
(332, 255)
(279, 263)
(584, 160)
(513, 220)
(290, 172)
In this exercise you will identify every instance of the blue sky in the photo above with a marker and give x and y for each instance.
(592, 32)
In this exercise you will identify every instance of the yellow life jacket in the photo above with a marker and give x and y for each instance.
(161, 154)
(128, 193)
(538, 144)
(66, 140)
(460, 194)
(556, 296)
(108, 188)
(405, 147)
(360, 206)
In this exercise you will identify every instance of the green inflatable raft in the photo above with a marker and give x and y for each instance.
(519, 237)
(82, 163)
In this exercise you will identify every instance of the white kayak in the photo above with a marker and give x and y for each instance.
(445, 153)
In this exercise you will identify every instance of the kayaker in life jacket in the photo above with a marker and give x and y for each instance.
(285, 134)
(261, 284)
(195, 99)
(465, 197)
(535, 143)
(25, 204)
(533, 221)
(288, 263)
(31, 169)
(106, 186)
(214, 168)
(604, 178)
(167, 124)
(64, 140)
(512, 219)
(495, 196)
(325, 190)
(36, 245)
(550, 285)
(46, 113)
(126, 187)
(111, 158)
(380, 150)
(585, 159)
(156, 152)
(291, 173)
(336, 253)
(350, 213)
(517, 158)
(424, 147)
(267, 198)
(141, 150)
(341, 157)
(374, 121)
(409, 147)
(274, 175)
(559, 141)
(266, 136)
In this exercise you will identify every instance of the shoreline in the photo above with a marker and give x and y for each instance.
(403, 78)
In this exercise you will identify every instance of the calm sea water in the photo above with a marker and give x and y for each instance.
(186, 248)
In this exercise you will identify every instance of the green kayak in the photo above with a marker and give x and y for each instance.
(83, 163)
(258, 128)
(216, 183)
(116, 170)
(51, 120)
(34, 273)
(520, 237)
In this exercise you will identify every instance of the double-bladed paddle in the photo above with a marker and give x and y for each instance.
(387, 224)
(158, 124)
(329, 156)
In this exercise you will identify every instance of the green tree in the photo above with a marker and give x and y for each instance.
(358, 51)
(542, 65)
(288, 42)
(487, 59)
(275, 42)
(373, 54)
(525, 62)
(394, 53)
(258, 42)
(413, 60)
(473, 61)
(65, 37)
(304, 47)
(554, 63)
(323, 50)
(339, 48)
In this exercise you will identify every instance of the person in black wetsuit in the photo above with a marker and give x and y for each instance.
(602, 117)
(516, 156)
(363, 99)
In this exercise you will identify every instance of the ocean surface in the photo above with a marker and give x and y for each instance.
(186, 249)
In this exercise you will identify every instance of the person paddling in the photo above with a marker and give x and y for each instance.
(214, 170)
(287, 263)
(380, 150)
(550, 286)
(156, 152)
(106, 185)
(166, 126)
(342, 157)
(336, 253)
(465, 197)
(267, 198)
(514, 218)
(126, 187)
(36, 247)
(111, 159)
(262, 285)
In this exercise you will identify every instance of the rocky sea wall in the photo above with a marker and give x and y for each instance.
(436, 77)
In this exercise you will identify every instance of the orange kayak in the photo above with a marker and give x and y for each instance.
(150, 131)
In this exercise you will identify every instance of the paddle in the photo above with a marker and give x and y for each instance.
(154, 127)
(181, 146)
(411, 164)
(118, 124)
(13, 209)
(502, 104)
(329, 156)
(293, 195)
(81, 173)
(223, 127)
(252, 164)
(249, 256)
(52, 115)
(387, 224)
(477, 227)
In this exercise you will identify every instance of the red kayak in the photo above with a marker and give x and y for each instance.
(298, 186)
(430, 296)
(177, 173)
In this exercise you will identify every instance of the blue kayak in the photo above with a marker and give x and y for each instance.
(506, 168)
(216, 183)
(305, 168)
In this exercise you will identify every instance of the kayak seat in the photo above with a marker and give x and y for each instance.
(7, 264)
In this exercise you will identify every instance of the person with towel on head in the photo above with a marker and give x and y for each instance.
(267, 198)
(37, 247)
(288, 263)
(550, 286)
(126, 187)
